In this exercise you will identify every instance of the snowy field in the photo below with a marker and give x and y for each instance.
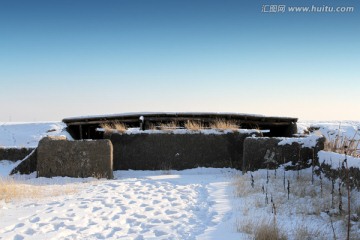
(136, 205)
(28, 134)
(200, 203)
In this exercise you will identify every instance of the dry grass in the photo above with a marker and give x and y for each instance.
(304, 233)
(11, 189)
(168, 126)
(115, 126)
(194, 125)
(264, 230)
(152, 126)
(120, 127)
(108, 127)
(268, 230)
(223, 124)
(339, 143)
(245, 226)
(243, 186)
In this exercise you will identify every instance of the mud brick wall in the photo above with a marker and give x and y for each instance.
(14, 154)
(177, 151)
(59, 157)
(266, 152)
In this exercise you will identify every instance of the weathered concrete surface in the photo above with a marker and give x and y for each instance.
(28, 164)
(266, 152)
(14, 154)
(177, 151)
(341, 173)
(59, 157)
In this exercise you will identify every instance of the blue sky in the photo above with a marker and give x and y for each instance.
(69, 58)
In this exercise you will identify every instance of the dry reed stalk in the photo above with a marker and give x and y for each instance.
(223, 124)
(194, 125)
(168, 126)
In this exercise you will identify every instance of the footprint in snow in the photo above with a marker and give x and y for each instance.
(18, 237)
(159, 233)
(29, 231)
(148, 209)
(35, 220)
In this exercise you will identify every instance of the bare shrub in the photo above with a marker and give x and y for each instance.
(194, 125)
(223, 124)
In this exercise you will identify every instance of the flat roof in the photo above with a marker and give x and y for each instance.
(163, 116)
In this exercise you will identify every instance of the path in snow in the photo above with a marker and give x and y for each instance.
(138, 205)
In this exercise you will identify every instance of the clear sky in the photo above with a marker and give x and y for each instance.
(63, 58)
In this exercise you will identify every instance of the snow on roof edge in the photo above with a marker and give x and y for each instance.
(127, 114)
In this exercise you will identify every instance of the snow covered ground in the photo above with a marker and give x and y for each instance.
(189, 204)
(202, 203)
(28, 134)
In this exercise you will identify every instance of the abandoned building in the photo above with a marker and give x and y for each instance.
(86, 127)
(259, 141)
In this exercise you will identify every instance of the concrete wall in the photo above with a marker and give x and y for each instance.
(341, 173)
(266, 152)
(59, 157)
(177, 151)
(14, 154)
(28, 164)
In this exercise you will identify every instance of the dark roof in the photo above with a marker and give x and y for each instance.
(165, 116)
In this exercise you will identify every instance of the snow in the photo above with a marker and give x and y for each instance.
(28, 135)
(309, 141)
(6, 166)
(136, 205)
(335, 159)
(348, 129)
(144, 114)
(201, 203)
(187, 131)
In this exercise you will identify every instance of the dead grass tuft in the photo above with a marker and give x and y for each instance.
(194, 125)
(152, 126)
(115, 126)
(223, 124)
(244, 226)
(264, 230)
(243, 186)
(268, 230)
(11, 189)
(120, 127)
(339, 143)
(108, 127)
(168, 126)
(304, 233)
